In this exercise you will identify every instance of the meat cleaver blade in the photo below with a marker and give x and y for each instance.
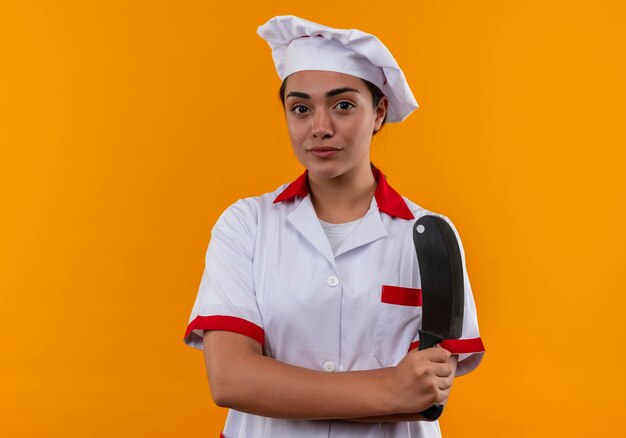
(441, 273)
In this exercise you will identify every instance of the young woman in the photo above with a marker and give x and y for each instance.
(308, 310)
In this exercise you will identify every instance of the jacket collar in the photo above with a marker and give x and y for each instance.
(389, 201)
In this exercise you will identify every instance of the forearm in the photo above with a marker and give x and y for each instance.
(276, 389)
(392, 418)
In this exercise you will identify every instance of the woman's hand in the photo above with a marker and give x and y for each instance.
(423, 378)
(417, 416)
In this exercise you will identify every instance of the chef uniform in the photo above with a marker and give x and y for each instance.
(272, 275)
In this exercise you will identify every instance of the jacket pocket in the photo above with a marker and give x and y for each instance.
(398, 321)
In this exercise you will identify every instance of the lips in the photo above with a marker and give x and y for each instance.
(324, 151)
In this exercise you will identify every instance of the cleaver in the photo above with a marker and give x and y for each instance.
(441, 273)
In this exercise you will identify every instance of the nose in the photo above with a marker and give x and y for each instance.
(322, 124)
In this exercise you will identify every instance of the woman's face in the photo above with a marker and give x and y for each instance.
(330, 119)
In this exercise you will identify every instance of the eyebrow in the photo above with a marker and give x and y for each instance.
(331, 93)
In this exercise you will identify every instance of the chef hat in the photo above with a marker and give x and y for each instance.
(299, 44)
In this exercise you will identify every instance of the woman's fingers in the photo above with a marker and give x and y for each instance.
(436, 354)
(441, 369)
(438, 358)
(444, 383)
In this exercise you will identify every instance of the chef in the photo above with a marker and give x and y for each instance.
(309, 306)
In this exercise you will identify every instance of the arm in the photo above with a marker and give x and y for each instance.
(242, 378)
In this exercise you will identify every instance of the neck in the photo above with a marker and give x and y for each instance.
(344, 198)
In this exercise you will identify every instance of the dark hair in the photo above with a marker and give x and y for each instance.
(374, 91)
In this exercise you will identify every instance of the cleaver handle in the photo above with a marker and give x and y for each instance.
(429, 340)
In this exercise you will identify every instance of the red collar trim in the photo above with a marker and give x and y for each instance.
(389, 201)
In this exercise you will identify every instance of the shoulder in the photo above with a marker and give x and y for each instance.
(419, 211)
(246, 212)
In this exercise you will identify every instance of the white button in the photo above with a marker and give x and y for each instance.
(332, 281)
(329, 366)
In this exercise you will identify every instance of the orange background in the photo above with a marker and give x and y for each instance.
(126, 127)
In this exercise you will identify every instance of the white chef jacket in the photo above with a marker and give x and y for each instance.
(270, 274)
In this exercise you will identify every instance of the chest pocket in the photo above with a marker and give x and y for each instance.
(398, 321)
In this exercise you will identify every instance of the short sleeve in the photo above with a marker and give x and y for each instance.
(226, 297)
(469, 346)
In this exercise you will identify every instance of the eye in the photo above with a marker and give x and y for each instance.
(345, 105)
(296, 111)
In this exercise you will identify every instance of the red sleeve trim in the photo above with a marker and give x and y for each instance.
(229, 324)
(458, 346)
(402, 296)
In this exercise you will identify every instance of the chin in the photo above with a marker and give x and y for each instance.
(326, 170)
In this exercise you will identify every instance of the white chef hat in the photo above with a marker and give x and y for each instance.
(299, 44)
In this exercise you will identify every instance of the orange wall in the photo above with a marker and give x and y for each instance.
(126, 127)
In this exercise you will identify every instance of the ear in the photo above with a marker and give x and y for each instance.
(380, 112)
